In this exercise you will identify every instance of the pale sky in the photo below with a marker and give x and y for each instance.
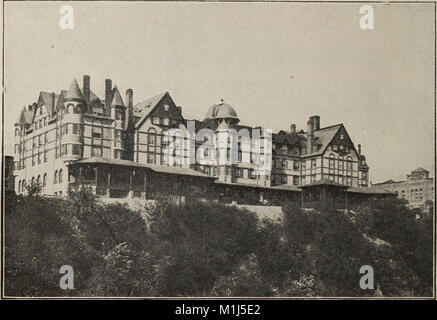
(275, 63)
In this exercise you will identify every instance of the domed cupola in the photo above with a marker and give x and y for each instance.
(222, 112)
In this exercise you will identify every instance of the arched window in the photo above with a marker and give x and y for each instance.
(17, 132)
(38, 180)
(340, 163)
(151, 136)
(19, 186)
(78, 109)
(331, 162)
(349, 164)
(70, 108)
(44, 180)
(33, 180)
(60, 175)
(55, 179)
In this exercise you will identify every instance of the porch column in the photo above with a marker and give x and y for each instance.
(145, 185)
(80, 175)
(130, 183)
(108, 187)
(96, 171)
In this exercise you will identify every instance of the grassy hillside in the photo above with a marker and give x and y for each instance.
(209, 249)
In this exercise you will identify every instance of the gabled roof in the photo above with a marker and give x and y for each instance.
(117, 101)
(74, 92)
(50, 100)
(25, 117)
(419, 170)
(324, 137)
(143, 109)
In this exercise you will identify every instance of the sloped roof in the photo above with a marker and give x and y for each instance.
(283, 137)
(369, 190)
(117, 101)
(419, 170)
(324, 137)
(25, 117)
(142, 109)
(156, 168)
(390, 181)
(324, 182)
(48, 99)
(74, 92)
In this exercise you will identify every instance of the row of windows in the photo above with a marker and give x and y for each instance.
(41, 180)
(164, 121)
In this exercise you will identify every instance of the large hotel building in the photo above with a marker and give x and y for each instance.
(116, 148)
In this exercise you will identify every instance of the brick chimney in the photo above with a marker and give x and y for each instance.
(310, 135)
(316, 122)
(359, 149)
(129, 98)
(86, 88)
(108, 96)
(53, 102)
(129, 106)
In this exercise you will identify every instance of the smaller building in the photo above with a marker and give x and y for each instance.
(9, 173)
(417, 189)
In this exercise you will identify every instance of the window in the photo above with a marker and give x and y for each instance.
(76, 149)
(151, 158)
(117, 134)
(155, 120)
(313, 178)
(331, 162)
(283, 178)
(55, 179)
(295, 165)
(39, 158)
(313, 163)
(119, 115)
(64, 150)
(349, 164)
(303, 180)
(340, 163)
(44, 180)
(166, 121)
(284, 149)
(17, 148)
(117, 154)
(60, 176)
(19, 186)
(252, 174)
(295, 180)
(97, 130)
(17, 132)
(166, 107)
(151, 136)
(96, 151)
(342, 136)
